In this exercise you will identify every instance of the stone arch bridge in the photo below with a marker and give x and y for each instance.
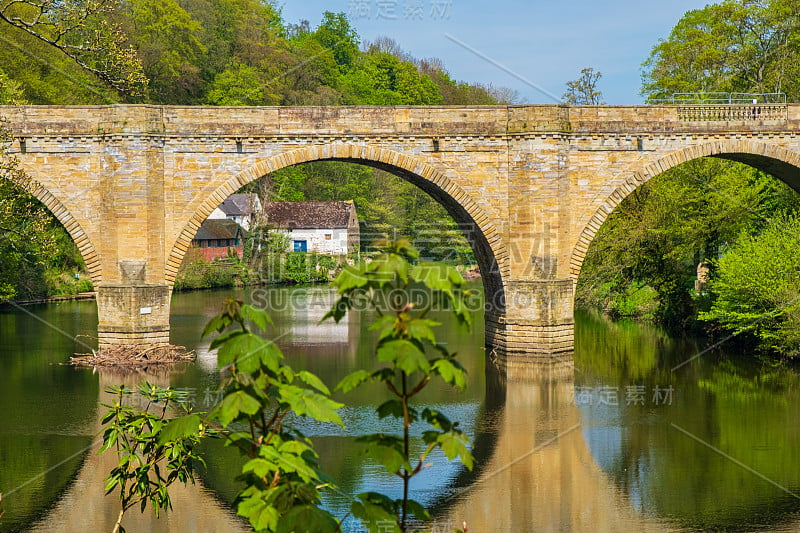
(530, 185)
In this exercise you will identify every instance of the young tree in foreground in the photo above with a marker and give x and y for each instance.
(282, 482)
(410, 357)
(145, 450)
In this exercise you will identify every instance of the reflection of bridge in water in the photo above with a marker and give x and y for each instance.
(539, 475)
(535, 472)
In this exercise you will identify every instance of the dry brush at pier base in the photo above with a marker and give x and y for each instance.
(135, 355)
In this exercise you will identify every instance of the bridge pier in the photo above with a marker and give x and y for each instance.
(537, 327)
(133, 314)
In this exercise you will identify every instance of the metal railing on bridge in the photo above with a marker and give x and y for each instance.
(720, 99)
(716, 106)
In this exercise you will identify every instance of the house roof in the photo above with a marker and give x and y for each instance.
(213, 229)
(309, 215)
(239, 204)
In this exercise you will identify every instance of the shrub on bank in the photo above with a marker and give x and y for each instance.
(200, 274)
(60, 283)
(299, 267)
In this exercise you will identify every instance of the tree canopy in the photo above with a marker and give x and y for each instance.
(731, 46)
(584, 91)
(83, 30)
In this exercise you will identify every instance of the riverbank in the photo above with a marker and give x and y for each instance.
(285, 269)
(53, 299)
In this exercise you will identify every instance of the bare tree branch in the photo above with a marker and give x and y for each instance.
(82, 31)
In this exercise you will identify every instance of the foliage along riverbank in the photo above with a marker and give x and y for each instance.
(274, 269)
(288, 268)
(740, 222)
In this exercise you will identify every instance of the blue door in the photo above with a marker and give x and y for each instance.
(300, 246)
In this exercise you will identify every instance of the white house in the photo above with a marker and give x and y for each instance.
(329, 228)
(243, 208)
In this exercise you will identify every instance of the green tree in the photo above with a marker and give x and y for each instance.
(583, 91)
(10, 91)
(286, 184)
(381, 78)
(239, 85)
(335, 34)
(313, 78)
(168, 40)
(731, 46)
(235, 32)
(83, 31)
(756, 288)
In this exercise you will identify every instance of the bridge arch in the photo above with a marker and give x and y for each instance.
(22, 179)
(486, 240)
(775, 160)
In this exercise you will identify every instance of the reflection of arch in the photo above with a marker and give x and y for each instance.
(485, 239)
(775, 160)
(65, 217)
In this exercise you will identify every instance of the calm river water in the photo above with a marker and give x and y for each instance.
(647, 433)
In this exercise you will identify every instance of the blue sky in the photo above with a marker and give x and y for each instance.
(541, 44)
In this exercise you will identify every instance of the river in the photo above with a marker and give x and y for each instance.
(648, 432)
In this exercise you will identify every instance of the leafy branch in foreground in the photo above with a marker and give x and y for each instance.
(148, 447)
(403, 294)
(282, 480)
(263, 397)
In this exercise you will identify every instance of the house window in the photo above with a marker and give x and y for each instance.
(328, 236)
(300, 246)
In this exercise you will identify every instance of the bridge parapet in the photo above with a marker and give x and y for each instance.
(733, 113)
(349, 122)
